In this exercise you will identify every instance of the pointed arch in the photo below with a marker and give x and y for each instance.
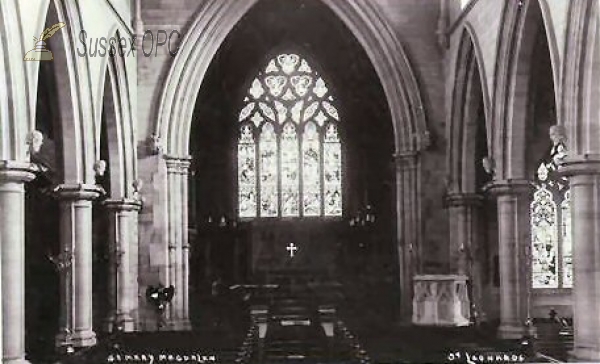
(73, 95)
(581, 79)
(114, 108)
(15, 117)
(512, 75)
(469, 95)
(217, 18)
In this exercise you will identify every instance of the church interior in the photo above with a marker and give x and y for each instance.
(299, 181)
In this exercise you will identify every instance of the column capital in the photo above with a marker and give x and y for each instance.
(13, 171)
(509, 187)
(463, 199)
(406, 159)
(178, 164)
(582, 164)
(124, 204)
(78, 191)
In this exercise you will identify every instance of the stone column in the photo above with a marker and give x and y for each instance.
(408, 226)
(13, 176)
(584, 179)
(177, 180)
(76, 281)
(123, 274)
(465, 242)
(514, 240)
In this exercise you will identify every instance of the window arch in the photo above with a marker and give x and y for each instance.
(551, 225)
(289, 148)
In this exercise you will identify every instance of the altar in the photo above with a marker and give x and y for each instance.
(441, 300)
(309, 246)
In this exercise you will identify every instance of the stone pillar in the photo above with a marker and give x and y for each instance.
(514, 240)
(139, 25)
(76, 278)
(123, 274)
(185, 249)
(584, 179)
(465, 242)
(177, 180)
(13, 176)
(408, 227)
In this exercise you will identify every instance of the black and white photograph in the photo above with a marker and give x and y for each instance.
(299, 181)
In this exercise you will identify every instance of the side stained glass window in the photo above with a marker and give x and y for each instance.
(247, 173)
(551, 248)
(289, 147)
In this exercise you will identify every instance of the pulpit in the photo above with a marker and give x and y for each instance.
(441, 300)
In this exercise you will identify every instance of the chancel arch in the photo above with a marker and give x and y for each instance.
(370, 27)
(324, 241)
(380, 43)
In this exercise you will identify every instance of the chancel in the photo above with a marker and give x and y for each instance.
(317, 181)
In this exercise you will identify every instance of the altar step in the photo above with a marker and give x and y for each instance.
(295, 334)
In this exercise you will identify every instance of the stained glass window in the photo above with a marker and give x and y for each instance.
(289, 148)
(551, 265)
(290, 180)
(247, 172)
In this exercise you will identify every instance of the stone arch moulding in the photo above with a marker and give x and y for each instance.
(218, 17)
(15, 115)
(119, 126)
(515, 44)
(214, 22)
(581, 72)
(76, 103)
(468, 62)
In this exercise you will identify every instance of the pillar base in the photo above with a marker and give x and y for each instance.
(120, 322)
(581, 354)
(63, 342)
(511, 331)
(180, 325)
(15, 361)
(82, 339)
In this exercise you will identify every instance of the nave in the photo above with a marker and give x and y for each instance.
(279, 322)
(300, 180)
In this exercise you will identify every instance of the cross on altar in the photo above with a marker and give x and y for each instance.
(292, 249)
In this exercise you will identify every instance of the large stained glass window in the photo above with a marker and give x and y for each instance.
(289, 148)
(551, 225)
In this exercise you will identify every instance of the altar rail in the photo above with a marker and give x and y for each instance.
(440, 300)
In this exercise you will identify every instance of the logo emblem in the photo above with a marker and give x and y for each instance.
(40, 52)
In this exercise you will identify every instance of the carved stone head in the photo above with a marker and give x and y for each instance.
(35, 139)
(100, 168)
(557, 134)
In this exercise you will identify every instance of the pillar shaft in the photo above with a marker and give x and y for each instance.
(123, 273)
(178, 249)
(76, 275)
(465, 242)
(408, 227)
(185, 248)
(13, 176)
(513, 199)
(584, 179)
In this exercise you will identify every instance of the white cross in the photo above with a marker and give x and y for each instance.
(292, 249)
